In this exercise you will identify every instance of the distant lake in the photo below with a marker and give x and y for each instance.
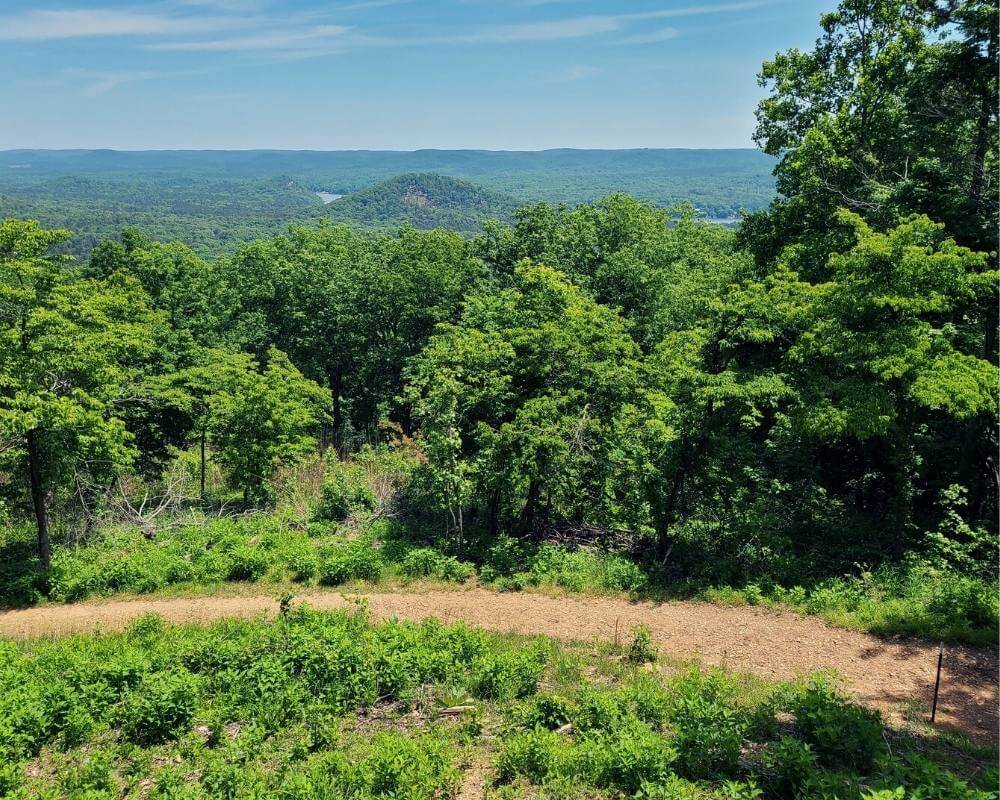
(327, 197)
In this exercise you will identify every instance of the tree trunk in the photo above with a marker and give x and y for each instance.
(494, 512)
(336, 377)
(201, 481)
(38, 501)
(526, 523)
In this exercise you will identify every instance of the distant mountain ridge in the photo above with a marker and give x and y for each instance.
(216, 199)
(424, 200)
(719, 182)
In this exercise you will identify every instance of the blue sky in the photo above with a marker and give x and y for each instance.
(389, 74)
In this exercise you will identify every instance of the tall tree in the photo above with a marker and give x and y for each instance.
(893, 112)
(69, 354)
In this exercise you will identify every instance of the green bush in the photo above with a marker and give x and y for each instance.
(426, 562)
(248, 563)
(708, 732)
(159, 707)
(538, 755)
(597, 710)
(641, 649)
(345, 492)
(919, 778)
(507, 675)
(785, 765)
(314, 704)
(547, 710)
(358, 560)
(842, 734)
(627, 757)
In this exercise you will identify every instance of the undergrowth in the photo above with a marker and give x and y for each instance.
(321, 705)
(913, 598)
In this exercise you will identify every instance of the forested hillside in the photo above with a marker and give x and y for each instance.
(606, 397)
(216, 200)
(423, 201)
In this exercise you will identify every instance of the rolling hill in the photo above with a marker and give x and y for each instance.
(424, 200)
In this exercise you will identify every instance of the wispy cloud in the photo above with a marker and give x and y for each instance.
(317, 36)
(263, 26)
(572, 28)
(699, 10)
(574, 72)
(43, 25)
(95, 83)
(661, 35)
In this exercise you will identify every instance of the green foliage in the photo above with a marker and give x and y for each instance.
(216, 201)
(159, 707)
(327, 704)
(69, 348)
(641, 649)
(841, 735)
(426, 562)
(345, 492)
(265, 421)
(626, 758)
(537, 754)
(708, 732)
(349, 561)
(423, 200)
(507, 676)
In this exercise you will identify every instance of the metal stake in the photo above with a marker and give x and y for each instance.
(937, 682)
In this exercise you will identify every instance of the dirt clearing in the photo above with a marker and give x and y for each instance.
(887, 674)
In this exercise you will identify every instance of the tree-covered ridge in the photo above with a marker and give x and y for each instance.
(423, 200)
(721, 182)
(216, 200)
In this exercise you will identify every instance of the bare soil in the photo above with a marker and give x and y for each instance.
(894, 675)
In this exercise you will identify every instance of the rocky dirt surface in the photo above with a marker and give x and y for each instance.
(890, 674)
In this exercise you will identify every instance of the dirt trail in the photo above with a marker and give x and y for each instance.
(882, 673)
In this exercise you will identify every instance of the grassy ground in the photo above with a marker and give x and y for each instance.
(318, 705)
(277, 551)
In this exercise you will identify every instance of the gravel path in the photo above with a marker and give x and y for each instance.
(887, 674)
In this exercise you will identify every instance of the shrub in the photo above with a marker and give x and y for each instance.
(356, 560)
(248, 563)
(785, 765)
(507, 675)
(627, 757)
(426, 562)
(641, 650)
(548, 711)
(926, 780)
(708, 733)
(345, 493)
(842, 734)
(647, 700)
(621, 574)
(597, 710)
(538, 755)
(159, 707)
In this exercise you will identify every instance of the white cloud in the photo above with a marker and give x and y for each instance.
(276, 40)
(699, 10)
(574, 72)
(43, 25)
(95, 83)
(661, 35)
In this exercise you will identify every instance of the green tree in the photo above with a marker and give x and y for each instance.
(69, 354)
(265, 420)
(526, 387)
(893, 112)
